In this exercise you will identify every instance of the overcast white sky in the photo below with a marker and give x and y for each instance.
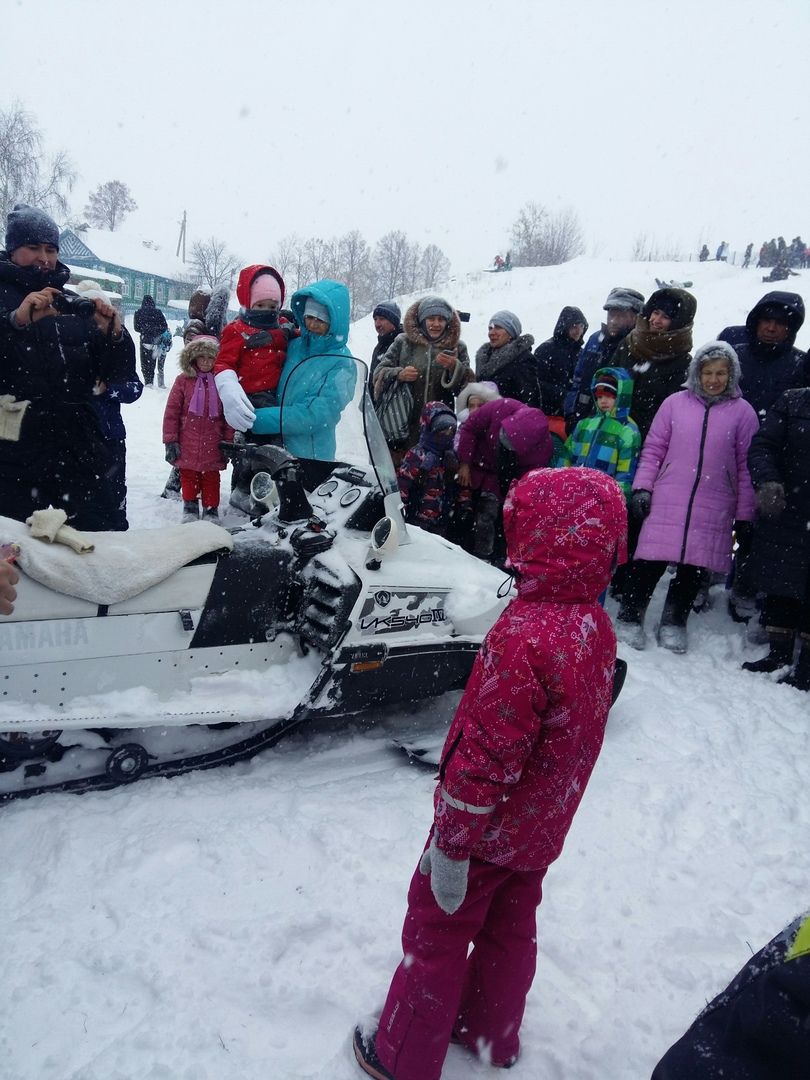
(685, 120)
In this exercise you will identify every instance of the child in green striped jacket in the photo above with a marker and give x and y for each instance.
(610, 440)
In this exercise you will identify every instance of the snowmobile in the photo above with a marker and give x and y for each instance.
(116, 665)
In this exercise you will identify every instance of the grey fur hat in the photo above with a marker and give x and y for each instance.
(626, 299)
(27, 225)
(508, 321)
(433, 305)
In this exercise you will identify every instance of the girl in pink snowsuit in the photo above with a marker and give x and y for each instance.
(520, 751)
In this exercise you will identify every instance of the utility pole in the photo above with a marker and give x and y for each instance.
(181, 239)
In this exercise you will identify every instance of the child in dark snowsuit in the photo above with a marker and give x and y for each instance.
(193, 427)
(520, 751)
(427, 467)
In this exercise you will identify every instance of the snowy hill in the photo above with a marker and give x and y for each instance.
(233, 925)
(725, 294)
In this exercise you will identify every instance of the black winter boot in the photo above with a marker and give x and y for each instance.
(366, 1053)
(780, 653)
(800, 676)
(191, 512)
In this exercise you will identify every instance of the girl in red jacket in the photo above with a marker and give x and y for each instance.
(194, 426)
(253, 348)
(520, 751)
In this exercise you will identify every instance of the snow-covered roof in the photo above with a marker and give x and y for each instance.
(134, 251)
(96, 275)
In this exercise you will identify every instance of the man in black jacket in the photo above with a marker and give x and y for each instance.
(150, 323)
(388, 324)
(52, 363)
(769, 361)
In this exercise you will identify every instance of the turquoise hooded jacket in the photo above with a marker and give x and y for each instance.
(318, 378)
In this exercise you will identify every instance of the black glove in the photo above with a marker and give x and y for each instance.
(172, 452)
(743, 531)
(640, 503)
(771, 498)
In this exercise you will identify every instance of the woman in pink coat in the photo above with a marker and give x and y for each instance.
(520, 751)
(692, 488)
(193, 427)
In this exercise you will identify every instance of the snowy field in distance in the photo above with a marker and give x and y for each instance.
(234, 924)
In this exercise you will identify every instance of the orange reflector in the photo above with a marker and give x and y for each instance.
(366, 665)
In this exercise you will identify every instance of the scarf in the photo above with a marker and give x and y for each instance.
(489, 361)
(197, 403)
(646, 345)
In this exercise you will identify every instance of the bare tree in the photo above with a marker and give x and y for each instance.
(542, 239)
(562, 235)
(435, 266)
(527, 235)
(26, 175)
(355, 272)
(109, 204)
(212, 263)
(283, 253)
(390, 263)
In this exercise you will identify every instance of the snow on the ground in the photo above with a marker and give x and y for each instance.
(234, 924)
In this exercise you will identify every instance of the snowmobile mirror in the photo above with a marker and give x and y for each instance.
(263, 489)
(384, 540)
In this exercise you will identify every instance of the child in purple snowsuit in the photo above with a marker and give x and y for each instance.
(427, 468)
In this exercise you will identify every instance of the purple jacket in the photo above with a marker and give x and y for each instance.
(479, 440)
(694, 463)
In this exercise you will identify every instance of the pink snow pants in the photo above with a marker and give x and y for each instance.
(438, 990)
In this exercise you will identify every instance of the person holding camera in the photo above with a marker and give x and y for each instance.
(55, 351)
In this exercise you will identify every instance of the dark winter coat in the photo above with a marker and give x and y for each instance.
(657, 362)
(780, 553)
(384, 343)
(758, 1028)
(423, 474)
(55, 364)
(694, 461)
(769, 370)
(149, 321)
(529, 727)
(513, 370)
(556, 361)
(435, 383)
(596, 353)
(198, 435)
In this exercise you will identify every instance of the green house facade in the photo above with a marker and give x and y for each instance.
(143, 266)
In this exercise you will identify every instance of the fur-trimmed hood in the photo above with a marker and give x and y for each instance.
(199, 346)
(489, 361)
(449, 339)
(714, 350)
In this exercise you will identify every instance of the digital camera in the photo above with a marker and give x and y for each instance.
(67, 304)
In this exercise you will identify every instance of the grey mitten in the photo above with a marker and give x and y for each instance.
(448, 877)
(172, 452)
(771, 498)
(640, 503)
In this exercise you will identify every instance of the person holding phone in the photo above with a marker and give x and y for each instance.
(430, 357)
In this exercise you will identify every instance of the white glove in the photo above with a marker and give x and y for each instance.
(448, 877)
(236, 406)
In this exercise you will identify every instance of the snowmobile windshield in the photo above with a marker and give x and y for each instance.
(327, 415)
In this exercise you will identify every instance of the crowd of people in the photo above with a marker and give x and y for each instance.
(663, 456)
